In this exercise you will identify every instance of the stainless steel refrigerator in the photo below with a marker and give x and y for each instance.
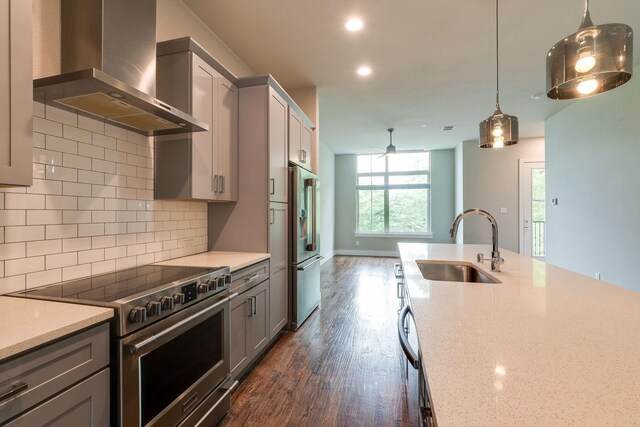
(304, 245)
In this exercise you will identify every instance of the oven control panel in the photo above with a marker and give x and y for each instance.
(162, 302)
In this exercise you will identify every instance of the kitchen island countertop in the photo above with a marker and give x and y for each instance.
(235, 260)
(545, 347)
(26, 323)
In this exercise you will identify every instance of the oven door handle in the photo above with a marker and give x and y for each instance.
(136, 347)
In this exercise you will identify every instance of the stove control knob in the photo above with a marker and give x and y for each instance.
(227, 279)
(211, 284)
(202, 288)
(220, 282)
(154, 309)
(178, 298)
(138, 315)
(166, 303)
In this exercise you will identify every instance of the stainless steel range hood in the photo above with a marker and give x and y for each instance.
(109, 68)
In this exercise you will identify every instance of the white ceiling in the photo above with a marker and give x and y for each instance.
(433, 61)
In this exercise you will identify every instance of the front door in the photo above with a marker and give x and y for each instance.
(532, 208)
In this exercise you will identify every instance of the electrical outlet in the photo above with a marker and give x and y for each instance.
(503, 210)
(597, 276)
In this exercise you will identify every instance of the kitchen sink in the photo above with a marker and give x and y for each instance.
(453, 271)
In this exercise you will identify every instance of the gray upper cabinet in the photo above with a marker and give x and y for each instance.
(300, 137)
(16, 93)
(278, 172)
(201, 165)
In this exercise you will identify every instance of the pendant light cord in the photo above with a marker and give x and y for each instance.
(498, 63)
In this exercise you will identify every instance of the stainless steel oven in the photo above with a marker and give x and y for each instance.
(170, 367)
(170, 341)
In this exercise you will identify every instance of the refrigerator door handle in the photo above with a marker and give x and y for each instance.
(311, 183)
(303, 267)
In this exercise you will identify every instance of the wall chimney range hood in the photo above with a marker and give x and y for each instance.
(109, 68)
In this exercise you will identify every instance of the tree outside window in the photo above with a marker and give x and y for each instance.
(394, 193)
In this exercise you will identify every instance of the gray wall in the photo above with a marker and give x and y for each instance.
(327, 200)
(442, 206)
(490, 182)
(593, 155)
(459, 202)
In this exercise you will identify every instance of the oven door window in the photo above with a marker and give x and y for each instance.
(169, 370)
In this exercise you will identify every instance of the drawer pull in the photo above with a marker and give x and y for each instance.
(15, 389)
(250, 278)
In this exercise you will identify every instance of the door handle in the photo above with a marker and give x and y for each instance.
(250, 306)
(272, 219)
(255, 305)
(221, 181)
(311, 183)
(411, 355)
(16, 389)
(272, 181)
(215, 183)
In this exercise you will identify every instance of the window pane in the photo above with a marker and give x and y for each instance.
(408, 211)
(371, 163)
(403, 162)
(371, 180)
(408, 179)
(371, 210)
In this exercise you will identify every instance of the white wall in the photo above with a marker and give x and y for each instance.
(327, 201)
(442, 206)
(459, 196)
(490, 179)
(593, 168)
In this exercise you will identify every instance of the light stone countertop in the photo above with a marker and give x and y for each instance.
(235, 260)
(26, 323)
(546, 347)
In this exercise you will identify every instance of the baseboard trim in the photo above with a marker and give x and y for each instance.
(353, 252)
(327, 257)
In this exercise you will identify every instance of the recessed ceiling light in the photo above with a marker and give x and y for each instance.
(354, 24)
(364, 71)
(447, 128)
(424, 126)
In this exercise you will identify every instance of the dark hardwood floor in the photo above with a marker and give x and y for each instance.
(343, 367)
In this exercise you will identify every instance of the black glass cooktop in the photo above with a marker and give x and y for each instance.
(110, 287)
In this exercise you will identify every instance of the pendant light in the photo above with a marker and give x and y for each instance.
(391, 149)
(500, 129)
(592, 60)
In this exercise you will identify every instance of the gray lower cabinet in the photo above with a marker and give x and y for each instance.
(60, 384)
(278, 302)
(16, 93)
(249, 326)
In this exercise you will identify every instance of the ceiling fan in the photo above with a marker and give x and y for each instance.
(391, 149)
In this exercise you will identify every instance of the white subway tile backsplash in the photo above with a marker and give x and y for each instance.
(48, 127)
(103, 267)
(59, 173)
(44, 247)
(61, 202)
(60, 115)
(90, 203)
(90, 230)
(76, 134)
(43, 186)
(89, 256)
(103, 191)
(62, 260)
(89, 177)
(23, 265)
(103, 216)
(91, 124)
(93, 151)
(104, 141)
(76, 272)
(23, 233)
(76, 189)
(115, 132)
(103, 241)
(43, 217)
(76, 217)
(43, 278)
(15, 217)
(23, 201)
(55, 143)
(61, 231)
(48, 157)
(78, 244)
(90, 209)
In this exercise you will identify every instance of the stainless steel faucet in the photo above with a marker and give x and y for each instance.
(496, 261)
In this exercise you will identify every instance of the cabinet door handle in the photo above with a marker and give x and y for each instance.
(272, 181)
(215, 183)
(250, 306)
(272, 217)
(222, 183)
(255, 305)
(17, 388)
